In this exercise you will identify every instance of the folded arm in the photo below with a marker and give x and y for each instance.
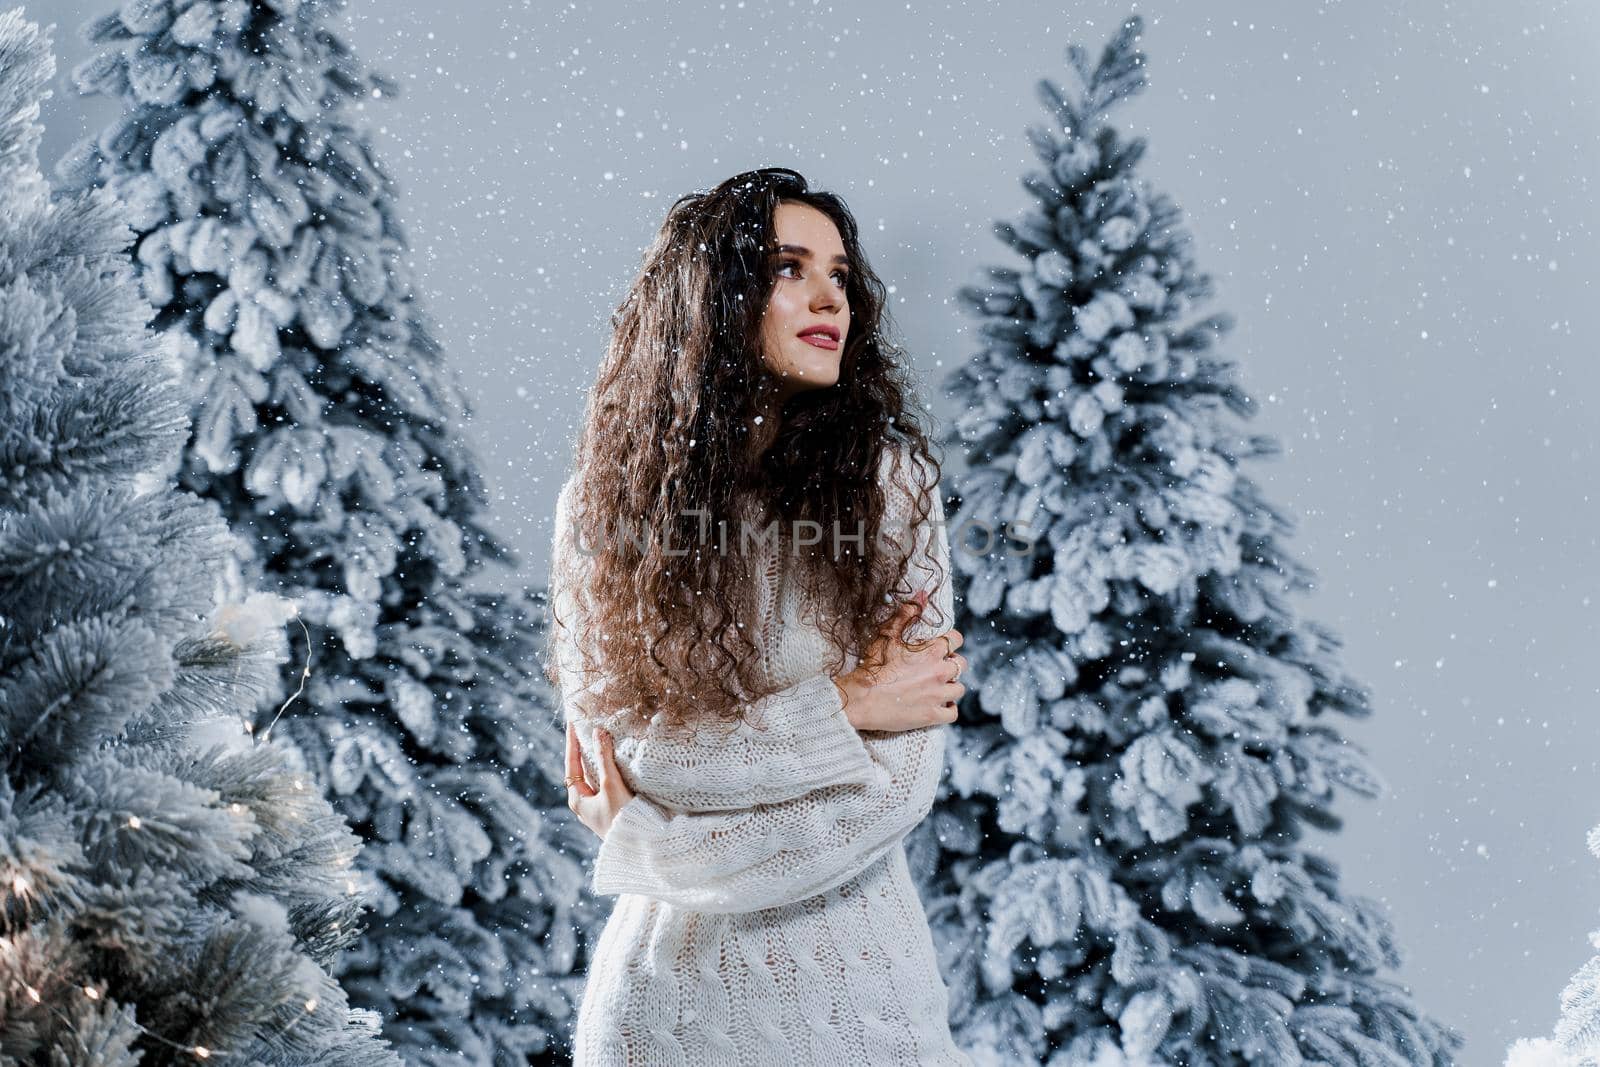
(783, 746)
(773, 854)
(794, 838)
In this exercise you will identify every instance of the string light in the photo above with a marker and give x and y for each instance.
(21, 885)
(203, 1052)
(304, 674)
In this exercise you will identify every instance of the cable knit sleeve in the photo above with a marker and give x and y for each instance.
(785, 744)
(772, 854)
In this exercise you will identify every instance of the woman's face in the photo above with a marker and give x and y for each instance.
(808, 297)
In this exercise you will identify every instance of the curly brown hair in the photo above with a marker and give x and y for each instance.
(666, 453)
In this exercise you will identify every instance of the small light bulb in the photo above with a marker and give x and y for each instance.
(91, 992)
(133, 822)
(203, 1052)
(19, 884)
(34, 993)
(311, 1005)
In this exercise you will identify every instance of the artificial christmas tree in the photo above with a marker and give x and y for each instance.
(1576, 1042)
(329, 431)
(1115, 872)
(174, 889)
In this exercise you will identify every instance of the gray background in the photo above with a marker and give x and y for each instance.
(1395, 205)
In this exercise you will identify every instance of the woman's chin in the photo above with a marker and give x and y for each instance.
(819, 375)
(805, 377)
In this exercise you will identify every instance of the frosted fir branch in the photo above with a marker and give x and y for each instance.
(248, 624)
(245, 623)
(1541, 1052)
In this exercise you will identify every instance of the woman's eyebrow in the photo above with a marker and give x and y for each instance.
(804, 251)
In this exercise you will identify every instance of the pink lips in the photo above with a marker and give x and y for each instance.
(821, 337)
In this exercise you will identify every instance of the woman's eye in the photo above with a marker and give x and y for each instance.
(843, 275)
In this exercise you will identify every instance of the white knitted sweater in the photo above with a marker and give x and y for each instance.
(765, 914)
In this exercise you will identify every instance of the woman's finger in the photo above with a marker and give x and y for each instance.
(890, 638)
(910, 612)
(605, 761)
(907, 613)
(575, 764)
(618, 778)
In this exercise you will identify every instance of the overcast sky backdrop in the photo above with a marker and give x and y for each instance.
(1394, 200)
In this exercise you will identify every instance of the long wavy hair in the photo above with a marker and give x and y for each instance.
(666, 453)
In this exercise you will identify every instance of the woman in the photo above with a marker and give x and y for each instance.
(766, 914)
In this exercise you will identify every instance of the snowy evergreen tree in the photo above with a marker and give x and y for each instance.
(330, 432)
(1115, 871)
(174, 889)
(1577, 1035)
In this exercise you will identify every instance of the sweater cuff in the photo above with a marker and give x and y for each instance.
(623, 858)
(829, 749)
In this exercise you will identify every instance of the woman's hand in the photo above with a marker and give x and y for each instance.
(916, 683)
(596, 808)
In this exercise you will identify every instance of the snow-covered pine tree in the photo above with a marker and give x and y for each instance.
(330, 432)
(1577, 1034)
(173, 889)
(1115, 872)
